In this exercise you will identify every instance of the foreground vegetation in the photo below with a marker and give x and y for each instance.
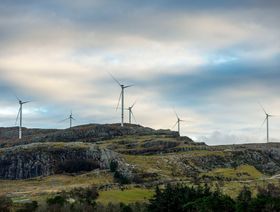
(179, 198)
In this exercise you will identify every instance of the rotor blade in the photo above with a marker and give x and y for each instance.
(133, 117)
(128, 86)
(74, 119)
(64, 120)
(174, 125)
(263, 108)
(17, 116)
(115, 79)
(119, 101)
(26, 102)
(263, 122)
(176, 114)
(16, 96)
(133, 105)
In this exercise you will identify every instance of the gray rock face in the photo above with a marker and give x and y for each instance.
(42, 159)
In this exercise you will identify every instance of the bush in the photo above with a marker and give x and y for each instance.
(28, 207)
(243, 199)
(114, 165)
(122, 179)
(5, 204)
(84, 195)
(57, 200)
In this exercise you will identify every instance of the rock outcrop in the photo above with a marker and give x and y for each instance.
(43, 159)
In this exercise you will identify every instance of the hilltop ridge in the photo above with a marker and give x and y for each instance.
(82, 133)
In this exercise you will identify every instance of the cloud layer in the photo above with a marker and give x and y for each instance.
(211, 61)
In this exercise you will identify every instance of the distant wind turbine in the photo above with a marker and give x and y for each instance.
(121, 97)
(177, 122)
(19, 115)
(131, 112)
(267, 122)
(70, 119)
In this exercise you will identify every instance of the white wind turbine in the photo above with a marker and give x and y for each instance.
(71, 118)
(177, 122)
(267, 122)
(121, 98)
(19, 115)
(131, 112)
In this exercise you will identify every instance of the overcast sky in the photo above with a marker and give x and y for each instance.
(212, 61)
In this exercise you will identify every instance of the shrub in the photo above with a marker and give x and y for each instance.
(84, 195)
(56, 200)
(122, 179)
(5, 204)
(114, 165)
(28, 207)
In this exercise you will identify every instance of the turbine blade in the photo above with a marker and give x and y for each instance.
(133, 117)
(17, 97)
(263, 108)
(174, 125)
(74, 119)
(64, 120)
(133, 105)
(114, 79)
(263, 122)
(26, 102)
(128, 86)
(119, 101)
(17, 116)
(176, 114)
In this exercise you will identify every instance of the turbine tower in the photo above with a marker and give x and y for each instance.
(131, 112)
(121, 97)
(178, 122)
(267, 122)
(19, 115)
(70, 119)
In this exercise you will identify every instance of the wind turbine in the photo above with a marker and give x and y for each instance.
(21, 103)
(131, 112)
(178, 122)
(267, 123)
(70, 119)
(121, 97)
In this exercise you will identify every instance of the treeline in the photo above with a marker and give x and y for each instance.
(177, 198)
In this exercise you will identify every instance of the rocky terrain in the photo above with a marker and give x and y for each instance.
(44, 152)
(110, 156)
(43, 159)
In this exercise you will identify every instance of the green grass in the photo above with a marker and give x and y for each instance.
(126, 196)
(243, 172)
(42, 186)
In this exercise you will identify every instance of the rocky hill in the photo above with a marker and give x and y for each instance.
(162, 154)
(83, 133)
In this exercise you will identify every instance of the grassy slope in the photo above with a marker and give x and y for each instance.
(41, 186)
(243, 172)
(126, 196)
